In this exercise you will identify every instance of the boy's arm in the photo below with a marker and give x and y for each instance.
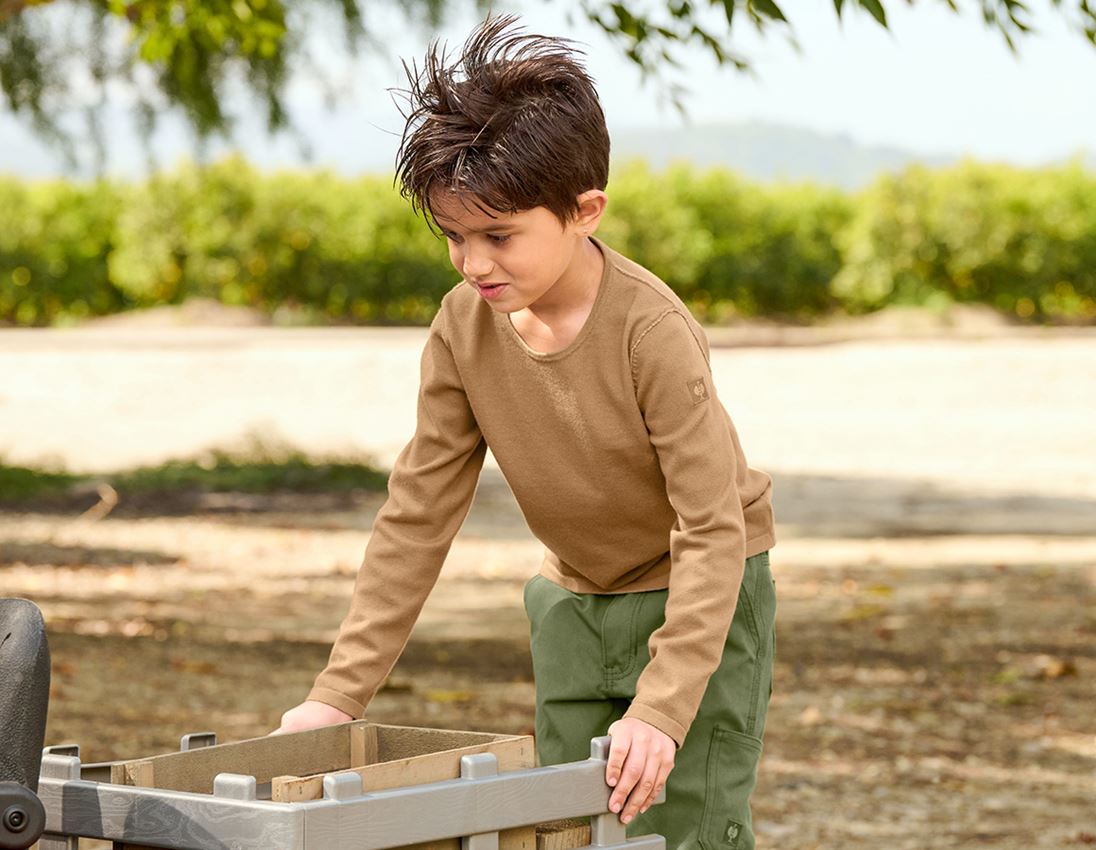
(690, 431)
(429, 493)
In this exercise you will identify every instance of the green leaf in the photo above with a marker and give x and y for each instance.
(682, 9)
(876, 10)
(769, 8)
(728, 11)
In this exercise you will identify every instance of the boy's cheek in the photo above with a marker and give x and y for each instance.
(455, 259)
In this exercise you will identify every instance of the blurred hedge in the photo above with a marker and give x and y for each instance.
(349, 250)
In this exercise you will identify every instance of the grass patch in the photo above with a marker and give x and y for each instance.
(19, 483)
(221, 472)
(260, 468)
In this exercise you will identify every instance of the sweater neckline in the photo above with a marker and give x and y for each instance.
(586, 326)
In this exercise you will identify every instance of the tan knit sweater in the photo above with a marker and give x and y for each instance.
(622, 458)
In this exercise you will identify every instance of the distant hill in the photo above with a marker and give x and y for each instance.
(767, 152)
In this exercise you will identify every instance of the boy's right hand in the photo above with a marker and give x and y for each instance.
(309, 715)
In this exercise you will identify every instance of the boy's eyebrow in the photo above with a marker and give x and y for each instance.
(488, 229)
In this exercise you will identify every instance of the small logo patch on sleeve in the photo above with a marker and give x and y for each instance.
(698, 389)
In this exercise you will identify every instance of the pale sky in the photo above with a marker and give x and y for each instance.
(936, 83)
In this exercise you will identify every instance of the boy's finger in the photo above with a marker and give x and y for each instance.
(660, 781)
(630, 774)
(642, 788)
(618, 750)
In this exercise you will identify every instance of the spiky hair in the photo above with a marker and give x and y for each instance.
(514, 123)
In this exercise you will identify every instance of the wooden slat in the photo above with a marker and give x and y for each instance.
(512, 752)
(398, 742)
(363, 745)
(315, 751)
(521, 838)
(291, 789)
(137, 772)
(563, 834)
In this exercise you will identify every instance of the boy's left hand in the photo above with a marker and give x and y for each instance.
(640, 758)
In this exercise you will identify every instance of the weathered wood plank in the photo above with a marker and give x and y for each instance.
(512, 752)
(289, 789)
(298, 753)
(137, 772)
(398, 742)
(522, 838)
(363, 745)
(563, 834)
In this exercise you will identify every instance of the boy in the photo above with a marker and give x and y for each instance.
(652, 616)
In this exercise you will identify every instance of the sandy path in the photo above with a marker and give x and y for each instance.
(869, 438)
(998, 414)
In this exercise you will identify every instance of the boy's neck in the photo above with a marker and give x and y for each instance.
(552, 328)
(577, 288)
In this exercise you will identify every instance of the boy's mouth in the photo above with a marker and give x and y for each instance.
(489, 289)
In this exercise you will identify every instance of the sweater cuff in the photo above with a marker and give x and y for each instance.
(340, 701)
(660, 721)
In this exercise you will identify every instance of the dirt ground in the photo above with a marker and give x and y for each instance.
(936, 659)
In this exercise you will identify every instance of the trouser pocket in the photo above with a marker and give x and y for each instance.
(732, 773)
(751, 642)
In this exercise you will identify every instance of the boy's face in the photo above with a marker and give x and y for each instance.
(523, 254)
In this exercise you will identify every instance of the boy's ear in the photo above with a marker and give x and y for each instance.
(591, 206)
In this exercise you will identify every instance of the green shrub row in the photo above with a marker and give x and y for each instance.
(259, 466)
(350, 250)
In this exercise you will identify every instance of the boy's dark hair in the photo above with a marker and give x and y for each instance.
(515, 123)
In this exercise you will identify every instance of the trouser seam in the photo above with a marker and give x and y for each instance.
(613, 675)
(755, 679)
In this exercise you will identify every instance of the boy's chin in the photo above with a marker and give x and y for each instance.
(505, 308)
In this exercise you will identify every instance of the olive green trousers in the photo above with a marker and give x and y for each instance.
(588, 651)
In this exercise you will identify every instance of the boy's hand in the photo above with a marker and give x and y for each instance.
(309, 715)
(640, 758)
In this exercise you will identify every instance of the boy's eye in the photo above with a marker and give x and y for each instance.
(497, 238)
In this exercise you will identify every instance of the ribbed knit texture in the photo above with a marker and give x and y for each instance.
(622, 458)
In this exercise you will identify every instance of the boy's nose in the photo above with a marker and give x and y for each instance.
(476, 266)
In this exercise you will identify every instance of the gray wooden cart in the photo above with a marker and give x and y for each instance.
(354, 786)
(477, 808)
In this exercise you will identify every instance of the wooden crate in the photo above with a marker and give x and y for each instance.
(295, 764)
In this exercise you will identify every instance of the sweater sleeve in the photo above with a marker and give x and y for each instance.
(691, 435)
(430, 491)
